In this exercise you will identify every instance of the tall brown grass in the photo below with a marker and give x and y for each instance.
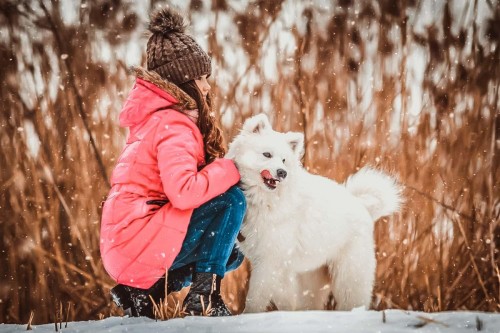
(342, 74)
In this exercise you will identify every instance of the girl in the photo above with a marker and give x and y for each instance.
(173, 204)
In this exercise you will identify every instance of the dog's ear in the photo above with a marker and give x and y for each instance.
(257, 124)
(296, 142)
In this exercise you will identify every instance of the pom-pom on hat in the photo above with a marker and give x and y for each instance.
(171, 53)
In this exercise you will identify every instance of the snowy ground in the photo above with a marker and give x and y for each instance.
(291, 322)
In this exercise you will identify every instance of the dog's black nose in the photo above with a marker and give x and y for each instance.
(281, 173)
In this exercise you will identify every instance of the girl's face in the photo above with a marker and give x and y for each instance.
(203, 85)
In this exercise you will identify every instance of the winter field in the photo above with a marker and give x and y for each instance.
(410, 87)
(290, 322)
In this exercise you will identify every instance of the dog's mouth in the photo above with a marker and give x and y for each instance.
(269, 180)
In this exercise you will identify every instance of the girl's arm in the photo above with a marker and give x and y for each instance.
(177, 153)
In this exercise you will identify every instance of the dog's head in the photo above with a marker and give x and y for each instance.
(265, 158)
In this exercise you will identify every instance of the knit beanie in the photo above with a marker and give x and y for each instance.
(171, 53)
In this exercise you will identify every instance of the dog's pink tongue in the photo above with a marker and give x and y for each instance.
(266, 174)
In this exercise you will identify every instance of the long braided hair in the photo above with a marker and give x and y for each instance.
(212, 134)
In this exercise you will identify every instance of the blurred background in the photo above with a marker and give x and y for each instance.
(409, 86)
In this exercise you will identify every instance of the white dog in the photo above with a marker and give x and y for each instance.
(306, 236)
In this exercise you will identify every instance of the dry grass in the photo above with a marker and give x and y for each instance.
(440, 253)
(166, 310)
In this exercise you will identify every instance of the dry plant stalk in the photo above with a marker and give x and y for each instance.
(205, 311)
(433, 321)
(67, 314)
(28, 327)
(164, 311)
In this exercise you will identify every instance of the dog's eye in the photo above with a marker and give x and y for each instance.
(283, 160)
(268, 155)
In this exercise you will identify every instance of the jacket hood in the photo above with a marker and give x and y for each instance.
(151, 93)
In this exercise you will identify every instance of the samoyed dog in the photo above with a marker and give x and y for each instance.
(307, 237)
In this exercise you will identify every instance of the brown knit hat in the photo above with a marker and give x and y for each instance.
(173, 54)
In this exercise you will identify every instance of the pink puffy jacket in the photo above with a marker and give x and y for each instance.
(161, 159)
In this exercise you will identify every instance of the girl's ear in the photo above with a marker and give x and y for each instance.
(296, 142)
(257, 124)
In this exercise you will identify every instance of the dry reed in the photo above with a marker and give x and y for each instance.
(345, 77)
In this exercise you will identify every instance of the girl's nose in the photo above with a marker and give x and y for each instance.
(207, 86)
(203, 85)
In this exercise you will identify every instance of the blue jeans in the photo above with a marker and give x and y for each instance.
(209, 245)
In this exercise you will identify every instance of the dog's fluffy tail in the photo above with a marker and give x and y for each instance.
(379, 192)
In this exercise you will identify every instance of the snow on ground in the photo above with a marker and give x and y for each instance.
(396, 321)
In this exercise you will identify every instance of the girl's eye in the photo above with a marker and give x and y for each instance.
(268, 155)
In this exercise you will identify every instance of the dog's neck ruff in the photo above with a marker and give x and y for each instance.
(261, 198)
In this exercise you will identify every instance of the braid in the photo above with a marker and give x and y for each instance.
(213, 140)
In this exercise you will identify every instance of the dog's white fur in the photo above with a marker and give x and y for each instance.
(310, 236)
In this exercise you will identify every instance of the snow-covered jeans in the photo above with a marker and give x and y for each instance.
(210, 239)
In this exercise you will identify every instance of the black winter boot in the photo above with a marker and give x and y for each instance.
(136, 302)
(219, 308)
(204, 296)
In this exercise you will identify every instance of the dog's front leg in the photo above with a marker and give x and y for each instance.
(259, 296)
